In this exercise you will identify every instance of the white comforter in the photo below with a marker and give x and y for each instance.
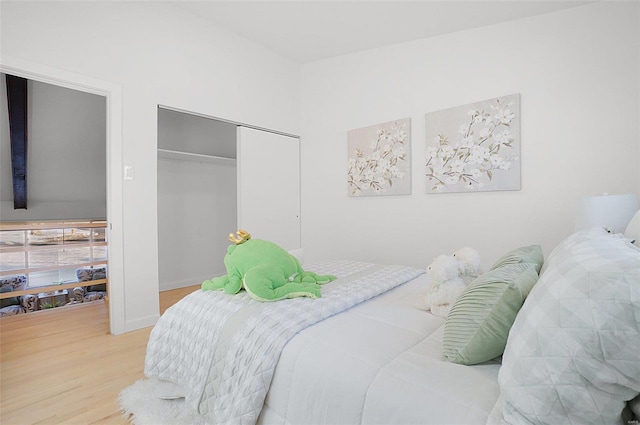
(222, 350)
(378, 363)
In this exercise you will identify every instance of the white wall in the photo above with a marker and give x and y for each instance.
(66, 155)
(159, 56)
(578, 75)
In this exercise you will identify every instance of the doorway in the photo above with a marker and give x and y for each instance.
(114, 199)
(57, 230)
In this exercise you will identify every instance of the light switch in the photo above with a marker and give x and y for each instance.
(128, 172)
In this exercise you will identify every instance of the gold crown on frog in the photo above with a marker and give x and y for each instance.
(240, 237)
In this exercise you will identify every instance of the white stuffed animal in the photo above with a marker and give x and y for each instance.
(469, 264)
(447, 285)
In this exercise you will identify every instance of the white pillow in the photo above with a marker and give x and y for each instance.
(573, 352)
(633, 229)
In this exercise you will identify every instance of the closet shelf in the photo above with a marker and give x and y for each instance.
(195, 157)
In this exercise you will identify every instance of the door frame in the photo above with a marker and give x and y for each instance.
(115, 231)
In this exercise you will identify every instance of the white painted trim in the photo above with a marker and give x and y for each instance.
(177, 284)
(113, 94)
(143, 322)
(198, 114)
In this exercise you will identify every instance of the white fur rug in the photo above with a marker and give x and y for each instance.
(138, 404)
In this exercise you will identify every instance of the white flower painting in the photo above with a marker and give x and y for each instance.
(379, 159)
(475, 147)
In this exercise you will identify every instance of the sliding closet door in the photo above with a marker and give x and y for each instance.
(269, 186)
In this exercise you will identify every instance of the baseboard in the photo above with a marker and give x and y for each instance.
(143, 322)
(167, 286)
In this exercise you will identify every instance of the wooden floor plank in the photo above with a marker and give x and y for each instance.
(62, 366)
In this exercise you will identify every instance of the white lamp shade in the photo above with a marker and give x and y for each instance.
(610, 211)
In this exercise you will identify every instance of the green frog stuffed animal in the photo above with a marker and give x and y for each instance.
(266, 271)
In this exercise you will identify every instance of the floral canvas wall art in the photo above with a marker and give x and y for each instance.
(475, 147)
(379, 159)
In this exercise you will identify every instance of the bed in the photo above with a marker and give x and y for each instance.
(367, 352)
(378, 363)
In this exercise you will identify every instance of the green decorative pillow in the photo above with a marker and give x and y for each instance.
(5, 302)
(527, 254)
(478, 324)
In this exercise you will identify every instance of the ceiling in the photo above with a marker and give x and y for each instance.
(307, 31)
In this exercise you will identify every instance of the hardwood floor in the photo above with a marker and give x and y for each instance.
(62, 366)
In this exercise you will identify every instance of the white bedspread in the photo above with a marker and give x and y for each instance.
(378, 363)
(222, 350)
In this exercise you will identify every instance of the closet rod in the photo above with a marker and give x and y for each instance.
(197, 114)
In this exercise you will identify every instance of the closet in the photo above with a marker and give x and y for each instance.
(216, 176)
